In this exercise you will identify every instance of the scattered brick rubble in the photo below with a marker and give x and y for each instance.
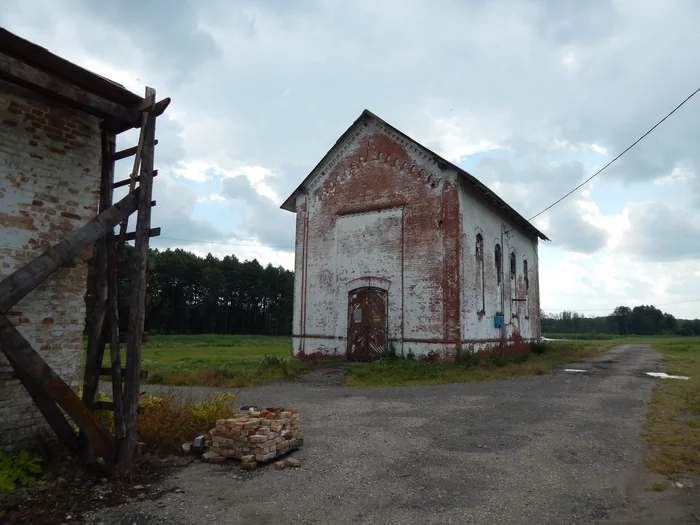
(258, 436)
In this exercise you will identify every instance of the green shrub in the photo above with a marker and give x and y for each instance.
(18, 468)
(538, 348)
(271, 361)
(410, 356)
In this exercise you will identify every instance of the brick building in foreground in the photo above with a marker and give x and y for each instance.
(58, 129)
(395, 246)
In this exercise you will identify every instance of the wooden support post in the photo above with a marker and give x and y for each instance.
(137, 313)
(14, 287)
(35, 372)
(97, 326)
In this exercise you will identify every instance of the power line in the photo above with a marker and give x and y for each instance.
(620, 155)
(229, 243)
(613, 308)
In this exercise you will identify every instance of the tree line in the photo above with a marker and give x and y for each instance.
(640, 320)
(196, 295)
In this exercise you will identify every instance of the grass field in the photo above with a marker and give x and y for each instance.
(217, 360)
(673, 421)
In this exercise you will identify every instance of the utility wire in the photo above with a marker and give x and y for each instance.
(620, 155)
(229, 243)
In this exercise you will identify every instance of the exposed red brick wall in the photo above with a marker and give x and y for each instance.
(49, 187)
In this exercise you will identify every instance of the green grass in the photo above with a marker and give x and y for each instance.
(672, 429)
(217, 360)
(399, 372)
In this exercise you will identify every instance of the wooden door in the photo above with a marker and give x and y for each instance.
(367, 324)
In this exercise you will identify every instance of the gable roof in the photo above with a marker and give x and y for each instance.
(481, 189)
(41, 58)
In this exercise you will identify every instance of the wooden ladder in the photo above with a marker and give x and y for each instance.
(111, 265)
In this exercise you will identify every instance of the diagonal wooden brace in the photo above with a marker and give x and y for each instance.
(14, 287)
(48, 389)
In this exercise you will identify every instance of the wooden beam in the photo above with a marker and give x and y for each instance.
(18, 284)
(97, 326)
(117, 126)
(54, 87)
(128, 152)
(124, 338)
(32, 369)
(126, 182)
(108, 405)
(137, 312)
(49, 409)
(107, 372)
(153, 232)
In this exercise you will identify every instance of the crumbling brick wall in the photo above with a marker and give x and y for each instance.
(49, 187)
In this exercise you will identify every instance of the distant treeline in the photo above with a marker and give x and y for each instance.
(195, 295)
(640, 320)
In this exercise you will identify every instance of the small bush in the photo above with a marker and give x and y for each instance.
(468, 359)
(271, 361)
(390, 352)
(499, 360)
(538, 348)
(18, 468)
(521, 358)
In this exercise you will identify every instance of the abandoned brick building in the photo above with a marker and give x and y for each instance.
(57, 156)
(398, 248)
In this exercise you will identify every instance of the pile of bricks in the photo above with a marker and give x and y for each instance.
(257, 436)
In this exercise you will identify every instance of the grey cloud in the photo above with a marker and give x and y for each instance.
(265, 221)
(167, 32)
(173, 214)
(532, 186)
(661, 232)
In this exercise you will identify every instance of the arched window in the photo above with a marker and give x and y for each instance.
(479, 246)
(527, 278)
(480, 269)
(512, 265)
(499, 263)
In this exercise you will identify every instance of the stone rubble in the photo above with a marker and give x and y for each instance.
(258, 436)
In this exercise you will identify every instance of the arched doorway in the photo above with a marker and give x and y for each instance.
(367, 323)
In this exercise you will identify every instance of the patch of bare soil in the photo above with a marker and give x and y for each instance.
(330, 376)
(67, 490)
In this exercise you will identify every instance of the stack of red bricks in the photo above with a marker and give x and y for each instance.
(257, 436)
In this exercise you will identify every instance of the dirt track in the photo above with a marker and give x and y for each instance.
(553, 449)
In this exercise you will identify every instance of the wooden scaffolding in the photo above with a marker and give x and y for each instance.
(34, 68)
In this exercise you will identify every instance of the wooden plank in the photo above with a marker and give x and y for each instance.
(116, 126)
(49, 409)
(126, 182)
(153, 232)
(35, 372)
(137, 312)
(23, 74)
(124, 338)
(96, 327)
(18, 284)
(108, 405)
(104, 371)
(125, 153)
(114, 339)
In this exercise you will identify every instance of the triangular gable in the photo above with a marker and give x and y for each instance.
(481, 189)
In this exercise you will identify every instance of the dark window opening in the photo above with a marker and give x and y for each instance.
(479, 246)
(499, 263)
(512, 264)
(527, 279)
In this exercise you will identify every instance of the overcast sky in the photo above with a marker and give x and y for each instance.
(531, 97)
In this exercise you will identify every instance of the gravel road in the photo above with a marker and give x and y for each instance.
(557, 449)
